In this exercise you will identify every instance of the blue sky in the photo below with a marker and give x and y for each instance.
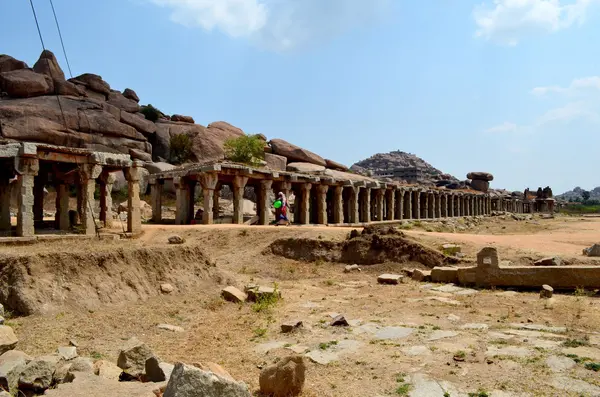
(509, 87)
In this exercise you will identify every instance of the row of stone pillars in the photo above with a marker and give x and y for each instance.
(320, 203)
(30, 198)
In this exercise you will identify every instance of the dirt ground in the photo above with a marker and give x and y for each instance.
(408, 339)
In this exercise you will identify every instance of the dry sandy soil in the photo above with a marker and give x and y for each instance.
(408, 339)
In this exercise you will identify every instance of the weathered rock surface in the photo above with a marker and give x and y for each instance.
(479, 185)
(89, 385)
(37, 376)
(157, 371)
(107, 370)
(305, 168)
(133, 356)
(188, 381)
(284, 379)
(208, 144)
(92, 82)
(140, 155)
(11, 364)
(117, 99)
(295, 153)
(334, 165)
(8, 339)
(131, 94)
(482, 176)
(594, 250)
(183, 119)
(276, 162)
(48, 65)
(25, 83)
(67, 352)
(138, 122)
(8, 64)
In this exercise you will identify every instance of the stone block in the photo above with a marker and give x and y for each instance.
(133, 356)
(233, 294)
(284, 379)
(276, 162)
(594, 250)
(188, 381)
(546, 291)
(488, 257)
(389, 279)
(444, 275)
(8, 339)
(291, 326)
(421, 275)
(451, 249)
(258, 293)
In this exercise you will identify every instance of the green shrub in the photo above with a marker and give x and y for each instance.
(247, 149)
(151, 113)
(180, 148)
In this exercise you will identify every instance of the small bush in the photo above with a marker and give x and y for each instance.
(151, 113)
(247, 149)
(180, 148)
(593, 366)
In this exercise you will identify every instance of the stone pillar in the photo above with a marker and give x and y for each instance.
(338, 204)
(182, 201)
(408, 201)
(390, 206)
(263, 205)
(322, 204)
(5, 193)
(353, 205)
(379, 204)
(156, 190)
(134, 215)
(399, 206)
(106, 185)
(239, 184)
(39, 183)
(304, 205)
(366, 205)
(438, 207)
(61, 218)
(209, 183)
(80, 199)
(450, 199)
(27, 169)
(416, 204)
(87, 177)
(431, 205)
(216, 197)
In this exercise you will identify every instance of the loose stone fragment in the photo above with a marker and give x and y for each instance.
(233, 294)
(290, 326)
(389, 279)
(546, 291)
(339, 321)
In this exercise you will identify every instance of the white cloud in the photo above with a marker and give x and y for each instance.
(570, 112)
(502, 128)
(506, 21)
(576, 86)
(275, 24)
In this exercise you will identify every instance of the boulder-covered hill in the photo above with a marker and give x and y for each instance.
(576, 193)
(387, 163)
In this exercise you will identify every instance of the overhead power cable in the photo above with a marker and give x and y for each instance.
(62, 43)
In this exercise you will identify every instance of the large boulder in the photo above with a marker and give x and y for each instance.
(136, 121)
(12, 363)
(208, 145)
(40, 120)
(276, 162)
(305, 168)
(295, 153)
(480, 185)
(131, 94)
(117, 99)
(165, 130)
(284, 379)
(140, 155)
(8, 64)
(63, 87)
(188, 381)
(483, 176)
(25, 83)
(38, 374)
(133, 357)
(183, 119)
(8, 339)
(92, 82)
(334, 165)
(48, 65)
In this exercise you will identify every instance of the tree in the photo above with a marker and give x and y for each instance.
(585, 195)
(246, 149)
(180, 148)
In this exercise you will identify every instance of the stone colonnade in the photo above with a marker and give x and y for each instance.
(318, 200)
(31, 167)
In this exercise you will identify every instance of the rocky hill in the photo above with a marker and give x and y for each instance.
(401, 166)
(577, 193)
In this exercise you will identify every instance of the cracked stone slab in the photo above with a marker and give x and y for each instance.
(539, 327)
(560, 363)
(513, 351)
(476, 326)
(333, 353)
(575, 385)
(437, 335)
(533, 334)
(449, 288)
(392, 333)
